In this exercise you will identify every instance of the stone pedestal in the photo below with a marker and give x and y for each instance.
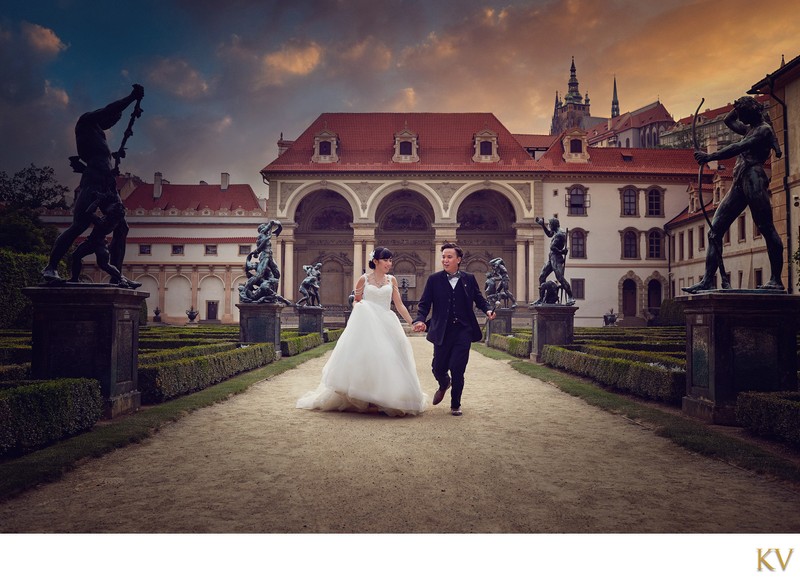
(89, 331)
(311, 319)
(737, 340)
(553, 325)
(501, 324)
(260, 322)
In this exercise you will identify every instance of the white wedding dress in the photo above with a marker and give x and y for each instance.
(372, 366)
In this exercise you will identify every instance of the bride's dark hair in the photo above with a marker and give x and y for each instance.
(380, 253)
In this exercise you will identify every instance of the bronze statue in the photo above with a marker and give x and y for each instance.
(556, 260)
(309, 288)
(498, 284)
(263, 275)
(750, 188)
(97, 188)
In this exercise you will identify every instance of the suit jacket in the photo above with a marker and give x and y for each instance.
(437, 295)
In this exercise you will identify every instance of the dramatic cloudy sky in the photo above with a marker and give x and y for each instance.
(223, 79)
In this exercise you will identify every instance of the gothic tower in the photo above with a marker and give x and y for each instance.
(615, 101)
(570, 112)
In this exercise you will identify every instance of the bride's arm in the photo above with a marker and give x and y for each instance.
(398, 302)
(359, 290)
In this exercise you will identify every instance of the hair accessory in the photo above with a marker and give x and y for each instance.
(372, 255)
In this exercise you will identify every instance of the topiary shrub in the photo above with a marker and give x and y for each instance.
(772, 415)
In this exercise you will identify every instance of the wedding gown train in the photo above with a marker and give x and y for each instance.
(372, 366)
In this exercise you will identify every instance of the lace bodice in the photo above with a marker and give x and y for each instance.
(379, 293)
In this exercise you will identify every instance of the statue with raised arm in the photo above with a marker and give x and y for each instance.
(262, 273)
(556, 261)
(98, 188)
(502, 283)
(750, 188)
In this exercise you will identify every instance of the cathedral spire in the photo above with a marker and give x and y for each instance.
(573, 93)
(615, 101)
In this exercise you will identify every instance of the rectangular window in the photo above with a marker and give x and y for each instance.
(211, 249)
(690, 234)
(701, 237)
(144, 249)
(680, 246)
(177, 249)
(741, 228)
(244, 249)
(741, 278)
(578, 288)
(756, 231)
(727, 238)
(654, 203)
(759, 278)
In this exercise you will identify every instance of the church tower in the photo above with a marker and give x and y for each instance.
(570, 112)
(615, 101)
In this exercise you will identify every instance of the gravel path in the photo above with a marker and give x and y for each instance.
(524, 458)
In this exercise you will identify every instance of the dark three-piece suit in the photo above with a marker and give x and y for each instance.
(452, 327)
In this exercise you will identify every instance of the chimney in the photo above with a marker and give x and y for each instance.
(157, 185)
(283, 145)
(225, 181)
(712, 147)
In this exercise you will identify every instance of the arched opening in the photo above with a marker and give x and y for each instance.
(654, 295)
(405, 221)
(323, 221)
(629, 298)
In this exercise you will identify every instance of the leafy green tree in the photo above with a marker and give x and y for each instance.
(33, 187)
(21, 230)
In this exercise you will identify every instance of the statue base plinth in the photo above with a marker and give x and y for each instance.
(739, 342)
(89, 332)
(552, 324)
(311, 319)
(501, 324)
(260, 322)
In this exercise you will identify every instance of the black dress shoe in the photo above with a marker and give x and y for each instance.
(439, 394)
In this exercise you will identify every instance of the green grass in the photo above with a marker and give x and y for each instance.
(52, 462)
(690, 434)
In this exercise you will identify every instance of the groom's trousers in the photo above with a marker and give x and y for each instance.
(452, 356)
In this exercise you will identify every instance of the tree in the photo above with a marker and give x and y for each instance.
(33, 187)
(21, 230)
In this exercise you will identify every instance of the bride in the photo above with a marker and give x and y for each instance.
(372, 366)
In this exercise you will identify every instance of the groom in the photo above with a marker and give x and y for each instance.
(453, 326)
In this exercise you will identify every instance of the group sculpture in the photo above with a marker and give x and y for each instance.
(309, 287)
(556, 261)
(497, 286)
(261, 270)
(97, 192)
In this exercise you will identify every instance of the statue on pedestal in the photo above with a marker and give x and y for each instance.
(556, 262)
(309, 288)
(750, 188)
(98, 190)
(263, 274)
(498, 284)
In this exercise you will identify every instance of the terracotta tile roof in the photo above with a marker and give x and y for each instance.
(535, 141)
(623, 160)
(650, 114)
(366, 142)
(708, 115)
(193, 197)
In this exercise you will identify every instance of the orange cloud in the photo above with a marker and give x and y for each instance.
(42, 40)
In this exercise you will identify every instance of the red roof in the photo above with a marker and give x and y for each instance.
(535, 141)
(650, 114)
(622, 160)
(708, 115)
(193, 197)
(366, 143)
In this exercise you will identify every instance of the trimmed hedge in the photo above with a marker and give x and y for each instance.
(666, 360)
(164, 381)
(645, 380)
(293, 345)
(772, 415)
(14, 372)
(333, 335)
(520, 347)
(149, 358)
(36, 414)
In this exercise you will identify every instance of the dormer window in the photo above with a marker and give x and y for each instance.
(406, 147)
(575, 147)
(485, 145)
(326, 147)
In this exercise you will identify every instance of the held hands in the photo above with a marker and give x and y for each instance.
(491, 315)
(418, 326)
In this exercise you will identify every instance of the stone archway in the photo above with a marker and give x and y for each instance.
(323, 220)
(405, 226)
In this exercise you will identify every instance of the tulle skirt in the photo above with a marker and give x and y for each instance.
(371, 368)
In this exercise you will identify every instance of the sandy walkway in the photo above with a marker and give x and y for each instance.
(524, 458)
